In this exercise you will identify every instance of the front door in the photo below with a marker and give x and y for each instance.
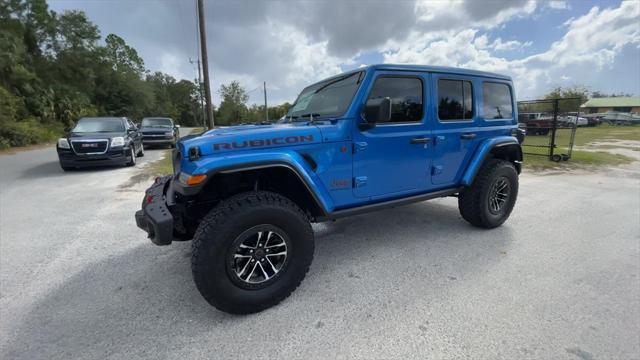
(455, 126)
(392, 158)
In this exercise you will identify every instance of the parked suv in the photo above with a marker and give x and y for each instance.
(373, 138)
(98, 141)
(159, 131)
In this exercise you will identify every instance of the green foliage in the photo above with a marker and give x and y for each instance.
(53, 70)
(233, 107)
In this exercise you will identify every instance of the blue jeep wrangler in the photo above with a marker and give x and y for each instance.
(372, 138)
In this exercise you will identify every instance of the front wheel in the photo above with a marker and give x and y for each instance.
(488, 202)
(251, 252)
(131, 161)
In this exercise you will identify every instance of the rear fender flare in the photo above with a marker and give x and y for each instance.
(488, 147)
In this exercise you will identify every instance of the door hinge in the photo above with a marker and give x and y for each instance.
(359, 146)
(436, 169)
(359, 181)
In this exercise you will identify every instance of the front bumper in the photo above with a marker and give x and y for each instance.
(112, 157)
(155, 217)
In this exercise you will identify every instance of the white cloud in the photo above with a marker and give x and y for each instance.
(291, 44)
(595, 38)
(499, 45)
(559, 5)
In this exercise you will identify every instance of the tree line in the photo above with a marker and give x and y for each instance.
(56, 68)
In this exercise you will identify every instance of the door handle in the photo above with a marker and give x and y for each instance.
(419, 140)
(468, 136)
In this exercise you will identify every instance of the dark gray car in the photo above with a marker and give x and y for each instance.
(159, 131)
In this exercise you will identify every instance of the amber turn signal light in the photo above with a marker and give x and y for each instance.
(196, 179)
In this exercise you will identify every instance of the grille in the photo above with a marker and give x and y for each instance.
(153, 134)
(90, 146)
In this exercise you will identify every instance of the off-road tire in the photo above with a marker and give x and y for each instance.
(213, 242)
(473, 201)
(132, 156)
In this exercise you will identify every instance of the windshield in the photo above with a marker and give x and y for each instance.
(156, 122)
(327, 98)
(99, 125)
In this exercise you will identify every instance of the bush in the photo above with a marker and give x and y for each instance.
(27, 132)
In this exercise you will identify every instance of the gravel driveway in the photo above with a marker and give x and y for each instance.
(561, 279)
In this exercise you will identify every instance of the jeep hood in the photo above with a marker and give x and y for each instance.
(253, 137)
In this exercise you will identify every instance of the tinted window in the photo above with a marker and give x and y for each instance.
(496, 101)
(405, 95)
(455, 100)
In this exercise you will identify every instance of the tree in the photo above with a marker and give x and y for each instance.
(123, 57)
(233, 108)
(573, 97)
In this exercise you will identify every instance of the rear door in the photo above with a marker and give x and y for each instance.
(392, 158)
(455, 126)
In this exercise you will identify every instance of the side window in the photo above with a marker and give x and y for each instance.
(405, 94)
(455, 100)
(496, 101)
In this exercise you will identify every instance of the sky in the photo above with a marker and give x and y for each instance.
(291, 44)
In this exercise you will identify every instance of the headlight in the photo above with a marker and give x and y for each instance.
(117, 141)
(63, 143)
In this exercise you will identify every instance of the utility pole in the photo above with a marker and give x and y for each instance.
(266, 109)
(205, 63)
(204, 116)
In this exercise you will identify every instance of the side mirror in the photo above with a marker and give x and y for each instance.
(177, 126)
(377, 111)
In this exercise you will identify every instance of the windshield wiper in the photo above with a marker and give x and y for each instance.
(310, 115)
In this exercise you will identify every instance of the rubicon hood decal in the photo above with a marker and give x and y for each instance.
(262, 142)
(230, 139)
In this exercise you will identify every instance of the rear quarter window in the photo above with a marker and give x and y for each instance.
(497, 101)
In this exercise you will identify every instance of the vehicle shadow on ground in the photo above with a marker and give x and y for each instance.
(53, 169)
(144, 299)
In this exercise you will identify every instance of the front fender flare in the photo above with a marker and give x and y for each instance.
(485, 150)
(251, 161)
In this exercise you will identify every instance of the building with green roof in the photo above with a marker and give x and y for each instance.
(624, 104)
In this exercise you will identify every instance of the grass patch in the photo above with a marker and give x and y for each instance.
(161, 167)
(581, 158)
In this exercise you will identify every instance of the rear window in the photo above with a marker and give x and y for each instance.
(455, 100)
(497, 101)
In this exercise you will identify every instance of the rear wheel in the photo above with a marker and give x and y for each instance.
(251, 252)
(488, 202)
